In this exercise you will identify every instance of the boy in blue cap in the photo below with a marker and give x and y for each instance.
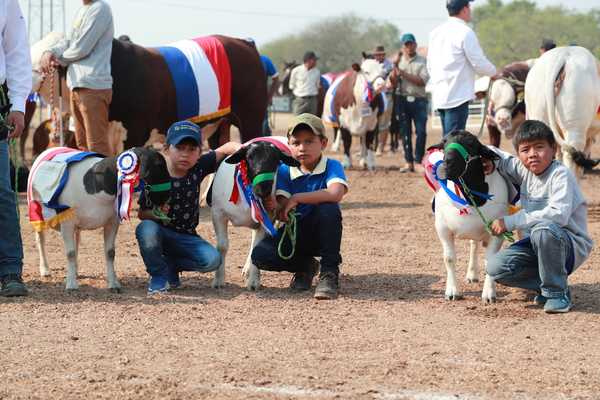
(169, 242)
(314, 190)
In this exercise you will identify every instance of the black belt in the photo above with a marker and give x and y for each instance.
(306, 97)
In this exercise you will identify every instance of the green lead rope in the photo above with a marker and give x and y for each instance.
(289, 230)
(507, 235)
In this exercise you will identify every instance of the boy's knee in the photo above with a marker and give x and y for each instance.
(213, 261)
(147, 233)
(545, 233)
(496, 265)
(328, 211)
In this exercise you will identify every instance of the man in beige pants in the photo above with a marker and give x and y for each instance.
(87, 58)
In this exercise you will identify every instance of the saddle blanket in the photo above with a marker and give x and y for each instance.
(48, 177)
(202, 76)
(329, 114)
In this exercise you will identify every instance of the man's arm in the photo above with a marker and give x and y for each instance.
(93, 27)
(476, 56)
(18, 58)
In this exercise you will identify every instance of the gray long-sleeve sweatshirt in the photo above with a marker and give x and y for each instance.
(88, 50)
(554, 196)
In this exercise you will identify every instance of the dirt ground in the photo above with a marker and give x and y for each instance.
(390, 335)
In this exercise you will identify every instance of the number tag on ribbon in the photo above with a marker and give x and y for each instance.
(366, 111)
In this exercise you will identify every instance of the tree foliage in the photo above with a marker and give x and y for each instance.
(511, 31)
(337, 41)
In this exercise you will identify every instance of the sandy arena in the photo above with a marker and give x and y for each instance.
(390, 335)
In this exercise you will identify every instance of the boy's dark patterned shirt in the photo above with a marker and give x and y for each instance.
(184, 203)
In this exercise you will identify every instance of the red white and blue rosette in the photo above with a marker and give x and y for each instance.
(128, 177)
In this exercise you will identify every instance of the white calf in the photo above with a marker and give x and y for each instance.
(90, 192)
(450, 225)
(262, 157)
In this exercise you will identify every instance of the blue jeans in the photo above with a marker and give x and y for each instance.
(319, 234)
(163, 248)
(11, 246)
(266, 129)
(454, 118)
(409, 113)
(541, 262)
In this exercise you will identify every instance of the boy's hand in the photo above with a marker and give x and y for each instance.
(270, 203)
(284, 211)
(488, 166)
(498, 227)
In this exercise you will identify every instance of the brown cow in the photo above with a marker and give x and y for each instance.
(144, 95)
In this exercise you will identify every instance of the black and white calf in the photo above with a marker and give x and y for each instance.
(463, 155)
(262, 158)
(90, 191)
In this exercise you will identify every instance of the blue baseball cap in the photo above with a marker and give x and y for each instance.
(408, 37)
(183, 130)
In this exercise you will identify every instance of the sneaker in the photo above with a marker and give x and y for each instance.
(173, 278)
(555, 305)
(12, 286)
(302, 280)
(408, 168)
(327, 289)
(158, 284)
(539, 300)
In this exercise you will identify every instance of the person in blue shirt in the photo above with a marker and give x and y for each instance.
(273, 76)
(313, 191)
(169, 243)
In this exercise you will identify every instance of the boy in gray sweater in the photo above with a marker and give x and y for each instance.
(553, 220)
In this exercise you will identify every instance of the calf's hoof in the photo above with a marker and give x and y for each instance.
(472, 280)
(454, 297)
(217, 284)
(488, 299)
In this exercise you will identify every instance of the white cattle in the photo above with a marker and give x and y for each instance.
(563, 90)
(262, 157)
(352, 103)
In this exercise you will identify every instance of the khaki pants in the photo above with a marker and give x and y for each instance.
(307, 104)
(90, 110)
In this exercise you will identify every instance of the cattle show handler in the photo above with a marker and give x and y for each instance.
(312, 193)
(87, 57)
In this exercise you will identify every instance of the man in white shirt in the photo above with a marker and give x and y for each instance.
(304, 83)
(454, 57)
(15, 78)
